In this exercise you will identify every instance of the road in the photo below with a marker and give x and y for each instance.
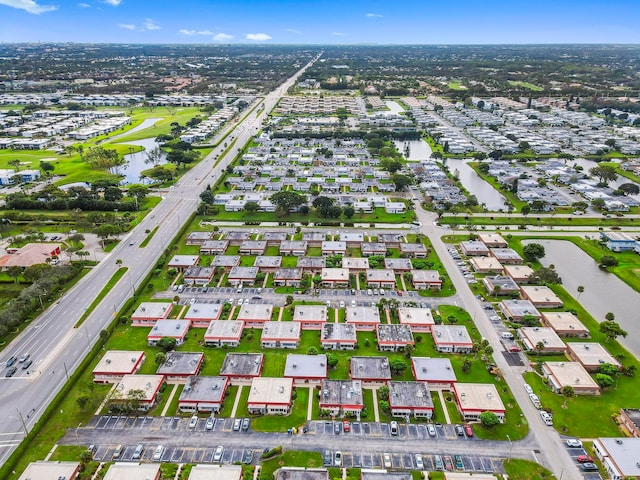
(554, 456)
(56, 347)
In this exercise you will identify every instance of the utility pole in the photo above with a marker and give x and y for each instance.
(24, 425)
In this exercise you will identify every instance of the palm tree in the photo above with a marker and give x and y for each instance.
(539, 348)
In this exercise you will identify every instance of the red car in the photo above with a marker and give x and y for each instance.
(515, 349)
(584, 458)
(468, 430)
(399, 293)
(346, 426)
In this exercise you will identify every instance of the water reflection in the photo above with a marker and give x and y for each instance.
(132, 170)
(484, 192)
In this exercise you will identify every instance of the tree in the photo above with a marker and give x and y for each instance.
(383, 392)
(332, 360)
(610, 316)
(629, 188)
(489, 419)
(286, 201)
(604, 381)
(567, 392)
(139, 192)
(397, 366)
(166, 343)
(154, 156)
(605, 173)
(112, 194)
(401, 181)
(466, 366)
(349, 211)
(608, 261)
(608, 369)
(545, 275)
(384, 406)
(391, 165)
(580, 291)
(538, 205)
(82, 401)
(14, 272)
(612, 330)
(539, 347)
(312, 351)
(525, 210)
(251, 207)
(598, 203)
(15, 163)
(533, 251)
(160, 358)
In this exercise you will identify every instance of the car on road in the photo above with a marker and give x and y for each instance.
(459, 430)
(468, 430)
(237, 423)
(27, 364)
(217, 455)
(589, 467)
(515, 349)
(247, 456)
(386, 458)
(11, 371)
(326, 459)
(24, 358)
(346, 426)
(584, 458)
(574, 443)
(337, 459)
(193, 422)
(10, 362)
(353, 291)
(157, 454)
(431, 430)
(245, 424)
(210, 422)
(92, 449)
(137, 453)
(231, 300)
(393, 428)
(419, 462)
(132, 242)
(117, 452)
(448, 463)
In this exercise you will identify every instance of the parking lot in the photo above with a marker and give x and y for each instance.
(406, 431)
(104, 453)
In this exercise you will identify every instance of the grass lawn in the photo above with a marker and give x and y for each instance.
(527, 85)
(289, 459)
(456, 85)
(525, 470)
(280, 423)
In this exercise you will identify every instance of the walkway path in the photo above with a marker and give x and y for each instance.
(444, 407)
(236, 401)
(280, 313)
(171, 395)
(310, 404)
(376, 413)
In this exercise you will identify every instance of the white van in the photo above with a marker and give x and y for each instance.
(507, 335)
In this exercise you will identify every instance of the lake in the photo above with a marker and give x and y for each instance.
(136, 162)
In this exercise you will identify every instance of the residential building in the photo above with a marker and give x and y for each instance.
(280, 335)
(391, 240)
(338, 336)
(44, 470)
(355, 264)
(499, 285)
(224, 332)
(398, 265)
(474, 248)
(565, 324)
(375, 474)
(133, 471)
(198, 275)
(619, 456)
(486, 265)
(226, 262)
(541, 296)
(419, 319)
(236, 237)
(169, 328)
(475, 398)
(181, 262)
(492, 240)
(364, 318)
(179, 366)
(293, 247)
(541, 340)
(425, 279)
(451, 338)
(341, 397)
(202, 314)
(506, 256)
(516, 310)
(270, 396)
(267, 264)
(618, 241)
(148, 313)
(370, 370)
(393, 337)
(255, 315)
(373, 248)
(287, 277)
(242, 366)
(414, 250)
(410, 399)
(313, 265)
(335, 277)
(330, 248)
(381, 278)
(310, 317)
(352, 239)
(243, 275)
(591, 355)
(305, 369)
(115, 364)
(203, 394)
(520, 273)
(301, 473)
(214, 247)
(216, 472)
(146, 387)
(437, 373)
(253, 247)
(314, 239)
(274, 239)
(561, 374)
(198, 238)
(630, 420)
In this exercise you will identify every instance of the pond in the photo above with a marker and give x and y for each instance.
(413, 150)
(484, 192)
(136, 162)
(603, 291)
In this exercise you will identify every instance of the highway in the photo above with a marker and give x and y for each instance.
(56, 347)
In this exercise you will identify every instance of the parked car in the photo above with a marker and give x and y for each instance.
(117, 452)
(245, 424)
(393, 428)
(336, 428)
(217, 455)
(237, 423)
(157, 455)
(584, 459)
(210, 422)
(11, 371)
(137, 453)
(459, 430)
(193, 422)
(419, 462)
(326, 459)
(432, 430)
(27, 364)
(574, 443)
(468, 430)
(515, 349)
(437, 462)
(458, 460)
(386, 460)
(247, 456)
(346, 426)
(589, 467)
(337, 459)
(448, 464)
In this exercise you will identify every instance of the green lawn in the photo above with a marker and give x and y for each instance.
(517, 469)
(527, 85)
(279, 423)
(289, 459)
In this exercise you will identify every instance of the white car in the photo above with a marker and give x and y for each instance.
(393, 426)
(337, 459)
(431, 430)
(217, 455)
(210, 423)
(157, 455)
(193, 422)
(341, 304)
(574, 443)
(387, 460)
(419, 462)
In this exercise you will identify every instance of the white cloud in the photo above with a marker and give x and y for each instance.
(339, 34)
(127, 26)
(374, 15)
(293, 30)
(84, 5)
(258, 37)
(150, 25)
(113, 3)
(222, 37)
(29, 6)
(190, 33)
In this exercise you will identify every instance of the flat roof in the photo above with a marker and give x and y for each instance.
(255, 312)
(274, 236)
(281, 331)
(415, 316)
(216, 472)
(571, 373)
(373, 246)
(204, 311)
(545, 335)
(293, 245)
(540, 294)
(246, 364)
(224, 329)
(624, 453)
(591, 353)
(351, 237)
(119, 361)
(468, 476)
(332, 245)
(451, 334)
(314, 236)
(243, 272)
(200, 235)
(341, 392)
(505, 283)
(384, 475)
(474, 246)
(183, 260)
(427, 369)
(152, 310)
(390, 237)
(361, 314)
(413, 248)
(491, 238)
(486, 263)
(237, 235)
(42, 470)
(518, 271)
(563, 321)
(225, 261)
(370, 368)
(617, 236)
(335, 274)
(149, 384)
(301, 473)
(197, 271)
(398, 263)
(338, 332)
(270, 390)
(170, 328)
(520, 308)
(394, 333)
(288, 274)
(305, 366)
(478, 396)
(133, 471)
(181, 363)
(302, 313)
(410, 394)
(425, 276)
(380, 275)
(215, 244)
(204, 389)
(505, 253)
(355, 262)
(311, 262)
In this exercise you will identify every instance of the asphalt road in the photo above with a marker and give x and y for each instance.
(56, 347)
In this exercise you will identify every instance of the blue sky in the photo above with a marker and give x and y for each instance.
(321, 22)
